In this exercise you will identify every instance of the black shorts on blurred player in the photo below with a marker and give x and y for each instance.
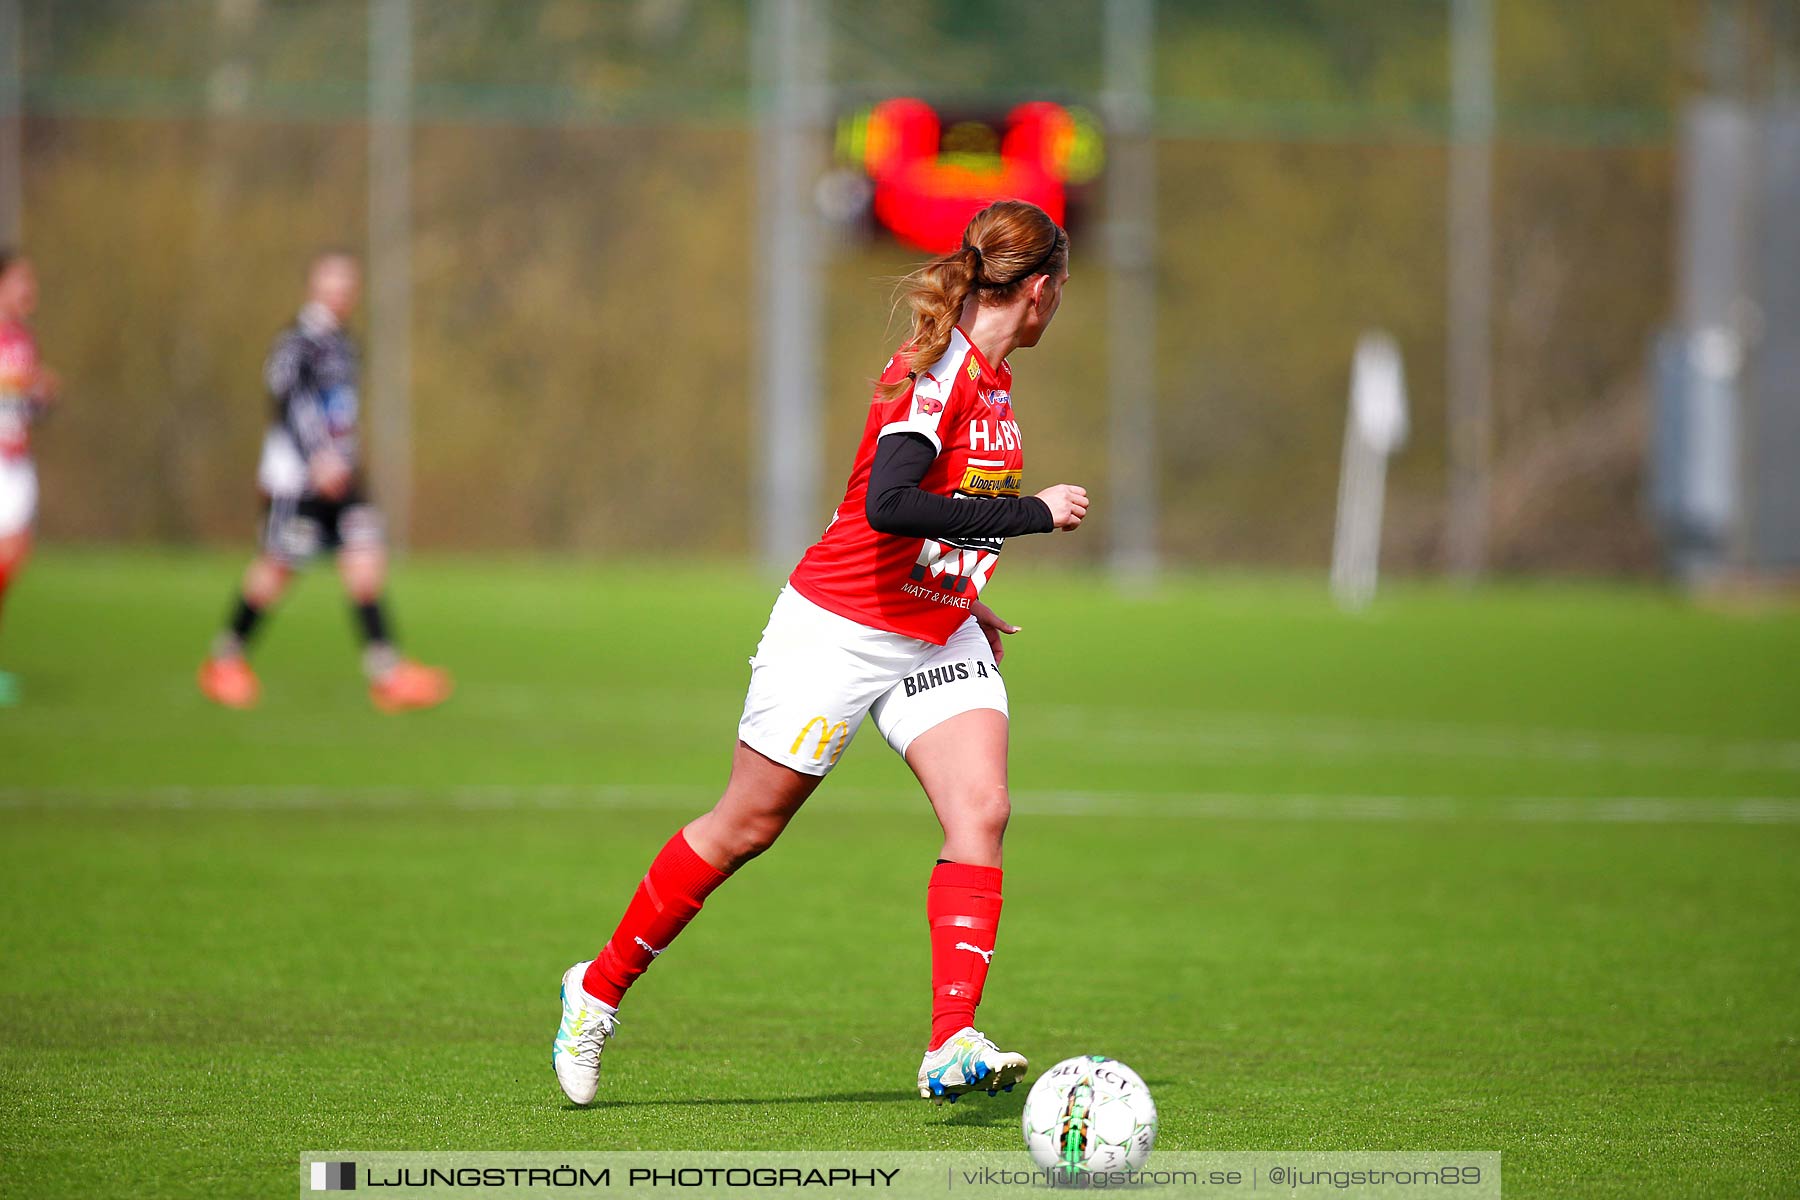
(298, 528)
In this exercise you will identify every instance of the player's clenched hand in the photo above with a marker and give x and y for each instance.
(1068, 504)
(330, 474)
(992, 626)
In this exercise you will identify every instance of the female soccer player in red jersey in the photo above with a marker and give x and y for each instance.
(27, 387)
(883, 618)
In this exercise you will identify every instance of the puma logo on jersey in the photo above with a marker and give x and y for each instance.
(987, 956)
(646, 945)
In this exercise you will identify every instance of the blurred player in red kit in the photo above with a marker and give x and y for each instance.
(313, 501)
(883, 618)
(27, 388)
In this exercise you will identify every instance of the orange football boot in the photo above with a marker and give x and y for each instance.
(410, 686)
(230, 682)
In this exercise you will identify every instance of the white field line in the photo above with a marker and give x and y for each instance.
(1193, 806)
(1327, 736)
(1170, 733)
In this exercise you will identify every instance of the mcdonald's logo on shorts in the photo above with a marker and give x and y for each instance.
(827, 733)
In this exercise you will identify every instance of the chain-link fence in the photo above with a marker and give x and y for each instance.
(583, 193)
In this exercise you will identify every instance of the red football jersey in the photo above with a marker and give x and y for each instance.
(18, 374)
(922, 587)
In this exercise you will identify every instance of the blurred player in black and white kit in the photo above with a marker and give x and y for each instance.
(314, 500)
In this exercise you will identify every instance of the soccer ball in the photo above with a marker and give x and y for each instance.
(1089, 1114)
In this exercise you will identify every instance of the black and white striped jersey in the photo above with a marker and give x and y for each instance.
(311, 375)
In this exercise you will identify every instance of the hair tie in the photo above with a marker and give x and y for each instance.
(1038, 267)
(970, 248)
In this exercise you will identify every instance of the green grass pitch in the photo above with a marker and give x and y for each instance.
(1515, 869)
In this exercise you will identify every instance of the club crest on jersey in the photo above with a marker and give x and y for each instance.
(974, 368)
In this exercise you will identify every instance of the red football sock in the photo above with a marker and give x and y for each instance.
(672, 891)
(963, 905)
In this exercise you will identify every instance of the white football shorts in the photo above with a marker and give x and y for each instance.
(816, 675)
(18, 495)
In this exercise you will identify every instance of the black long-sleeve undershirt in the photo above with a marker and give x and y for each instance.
(896, 503)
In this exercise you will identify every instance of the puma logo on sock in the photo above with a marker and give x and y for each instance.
(987, 956)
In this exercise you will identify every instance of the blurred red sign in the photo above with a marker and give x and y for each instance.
(929, 182)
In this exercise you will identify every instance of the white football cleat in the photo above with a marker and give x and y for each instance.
(968, 1061)
(586, 1024)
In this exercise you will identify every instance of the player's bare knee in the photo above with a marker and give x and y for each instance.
(738, 829)
(266, 580)
(731, 848)
(755, 832)
(364, 573)
(981, 810)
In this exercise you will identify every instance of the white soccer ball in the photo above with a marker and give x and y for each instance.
(1089, 1114)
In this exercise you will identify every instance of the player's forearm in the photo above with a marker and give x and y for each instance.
(897, 505)
(911, 512)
